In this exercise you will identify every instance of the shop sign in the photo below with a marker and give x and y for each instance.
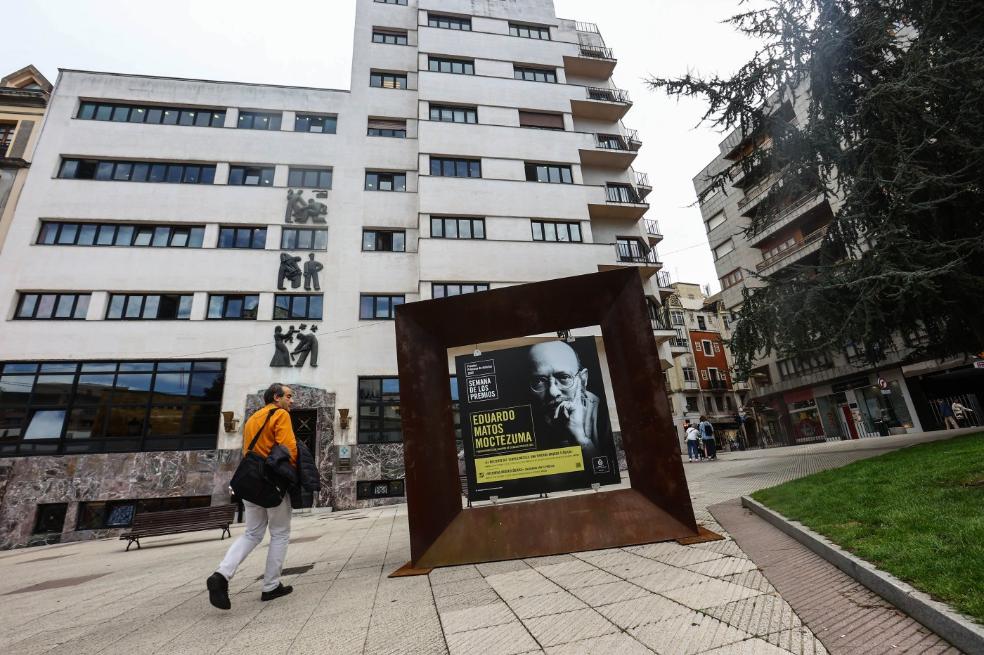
(534, 419)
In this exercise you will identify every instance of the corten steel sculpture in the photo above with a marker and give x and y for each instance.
(656, 508)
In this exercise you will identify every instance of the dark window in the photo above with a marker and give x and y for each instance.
(94, 407)
(384, 240)
(369, 489)
(390, 37)
(379, 410)
(112, 234)
(149, 307)
(287, 306)
(448, 65)
(100, 515)
(445, 289)
(256, 120)
(453, 167)
(378, 181)
(621, 193)
(530, 31)
(390, 127)
(315, 123)
(106, 111)
(233, 308)
(52, 306)
(611, 142)
(448, 22)
(631, 250)
(251, 175)
(383, 80)
(550, 173)
(531, 74)
(309, 178)
(451, 114)
(701, 323)
(253, 238)
(541, 120)
(50, 518)
(556, 231)
(449, 227)
(126, 171)
(298, 238)
(379, 307)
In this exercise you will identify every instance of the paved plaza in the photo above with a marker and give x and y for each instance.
(665, 598)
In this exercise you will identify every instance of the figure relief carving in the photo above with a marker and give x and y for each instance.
(306, 349)
(311, 270)
(289, 270)
(301, 212)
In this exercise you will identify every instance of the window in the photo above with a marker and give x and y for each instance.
(531, 74)
(676, 318)
(716, 220)
(288, 306)
(452, 167)
(379, 410)
(449, 114)
(541, 120)
(692, 404)
(315, 123)
(52, 306)
(253, 238)
(779, 248)
(724, 249)
(631, 250)
(391, 127)
(384, 240)
(446, 227)
(120, 234)
(369, 489)
(393, 2)
(690, 374)
(707, 347)
(448, 22)
(134, 307)
(309, 178)
(448, 65)
(611, 142)
(136, 171)
(256, 120)
(731, 279)
(251, 175)
(379, 181)
(621, 193)
(50, 518)
(382, 80)
(530, 31)
(551, 173)
(389, 37)
(6, 137)
(556, 231)
(109, 406)
(701, 323)
(298, 238)
(233, 308)
(99, 515)
(445, 289)
(153, 114)
(376, 308)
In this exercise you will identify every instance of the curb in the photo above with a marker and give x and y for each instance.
(959, 630)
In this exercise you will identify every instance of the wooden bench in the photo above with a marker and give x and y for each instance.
(154, 524)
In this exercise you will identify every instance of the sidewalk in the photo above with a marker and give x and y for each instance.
(665, 598)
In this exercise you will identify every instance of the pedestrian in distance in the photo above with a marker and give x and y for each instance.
(693, 440)
(265, 429)
(949, 422)
(707, 436)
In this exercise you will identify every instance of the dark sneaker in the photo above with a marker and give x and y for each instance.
(218, 591)
(281, 590)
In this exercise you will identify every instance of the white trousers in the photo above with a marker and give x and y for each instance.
(257, 520)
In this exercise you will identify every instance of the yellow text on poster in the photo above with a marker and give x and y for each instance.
(529, 465)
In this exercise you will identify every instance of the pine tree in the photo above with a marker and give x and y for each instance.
(894, 132)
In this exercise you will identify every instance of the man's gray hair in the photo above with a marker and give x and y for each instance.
(274, 390)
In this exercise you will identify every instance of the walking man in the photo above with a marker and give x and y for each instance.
(707, 436)
(273, 425)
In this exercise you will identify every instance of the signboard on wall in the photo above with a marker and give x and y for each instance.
(534, 419)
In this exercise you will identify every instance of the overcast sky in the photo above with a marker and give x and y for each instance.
(309, 43)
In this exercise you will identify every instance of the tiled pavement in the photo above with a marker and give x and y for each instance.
(663, 598)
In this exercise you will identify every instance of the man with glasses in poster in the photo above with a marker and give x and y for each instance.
(566, 409)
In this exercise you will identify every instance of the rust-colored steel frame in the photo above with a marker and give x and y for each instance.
(657, 507)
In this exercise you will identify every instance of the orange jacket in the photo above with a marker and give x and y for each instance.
(278, 430)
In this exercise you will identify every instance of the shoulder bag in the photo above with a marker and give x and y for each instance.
(250, 481)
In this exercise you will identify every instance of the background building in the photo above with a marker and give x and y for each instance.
(163, 263)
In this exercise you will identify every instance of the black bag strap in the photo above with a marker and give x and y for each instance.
(262, 427)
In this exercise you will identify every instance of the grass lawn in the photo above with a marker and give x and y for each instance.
(917, 513)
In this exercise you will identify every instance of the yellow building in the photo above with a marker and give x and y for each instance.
(23, 100)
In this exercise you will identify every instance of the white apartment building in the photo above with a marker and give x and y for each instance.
(169, 235)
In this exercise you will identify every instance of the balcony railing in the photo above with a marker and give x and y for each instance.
(642, 179)
(596, 52)
(652, 227)
(781, 213)
(719, 385)
(632, 138)
(590, 28)
(661, 322)
(691, 384)
(809, 239)
(622, 193)
(611, 142)
(635, 253)
(607, 94)
(4, 146)
(663, 279)
(755, 192)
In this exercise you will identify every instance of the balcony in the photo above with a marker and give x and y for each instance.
(754, 194)
(643, 185)
(601, 104)
(652, 231)
(592, 61)
(718, 385)
(788, 215)
(661, 328)
(633, 139)
(636, 255)
(609, 151)
(663, 282)
(809, 245)
(679, 347)
(622, 202)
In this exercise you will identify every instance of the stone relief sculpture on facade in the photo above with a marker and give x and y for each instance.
(289, 270)
(311, 270)
(305, 350)
(299, 211)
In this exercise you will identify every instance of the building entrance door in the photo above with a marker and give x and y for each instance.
(305, 423)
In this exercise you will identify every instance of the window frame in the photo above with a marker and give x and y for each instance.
(379, 238)
(472, 222)
(317, 235)
(468, 111)
(324, 174)
(445, 64)
(120, 170)
(380, 404)
(394, 177)
(243, 298)
(247, 120)
(217, 115)
(300, 118)
(528, 73)
(472, 167)
(182, 299)
(516, 29)
(444, 287)
(565, 173)
(397, 80)
(449, 22)
(264, 175)
(254, 237)
(77, 312)
(195, 234)
(291, 313)
(570, 227)
(375, 298)
(385, 33)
